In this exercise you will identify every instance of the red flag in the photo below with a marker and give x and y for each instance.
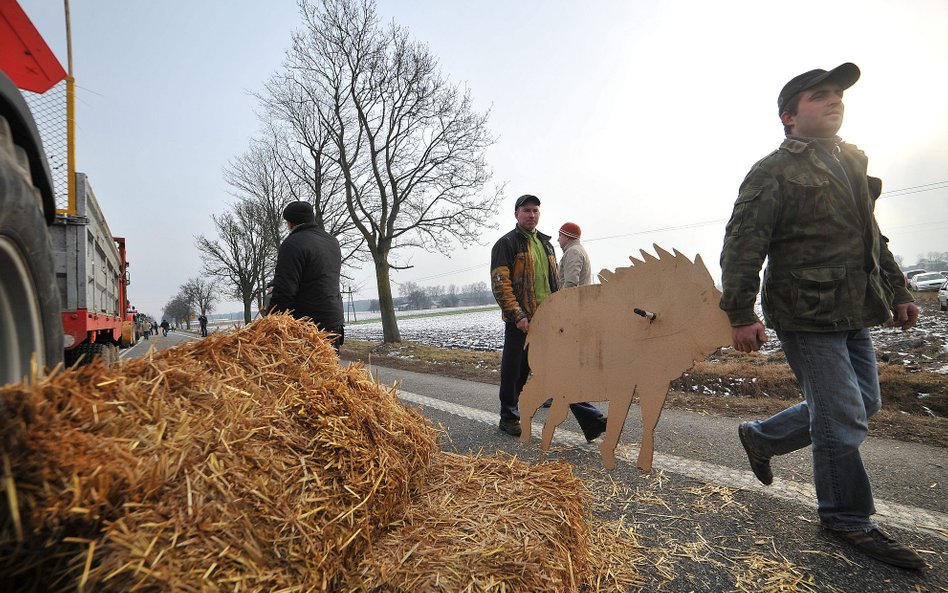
(24, 55)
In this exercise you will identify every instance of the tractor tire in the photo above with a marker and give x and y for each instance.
(30, 314)
(86, 353)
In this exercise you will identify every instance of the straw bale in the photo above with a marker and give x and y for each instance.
(496, 524)
(244, 462)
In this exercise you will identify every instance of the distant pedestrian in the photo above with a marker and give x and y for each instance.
(164, 327)
(807, 209)
(574, 265)
(306, 279)
(146, 328)
(523, 273)
(203, 321)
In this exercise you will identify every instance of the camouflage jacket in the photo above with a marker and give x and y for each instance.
(828, 265)
(512, 278)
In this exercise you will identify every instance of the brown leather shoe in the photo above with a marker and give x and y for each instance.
(511, 427)
(759, 465)
(875, 544)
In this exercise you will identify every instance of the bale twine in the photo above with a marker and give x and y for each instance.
(243, 462)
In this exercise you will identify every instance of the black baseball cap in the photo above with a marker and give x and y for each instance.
(524, 199)
(845, 75)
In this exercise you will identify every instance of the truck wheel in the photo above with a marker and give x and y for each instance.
(86, 353)
(30, 315)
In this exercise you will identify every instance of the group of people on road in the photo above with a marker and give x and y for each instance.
(808, 210)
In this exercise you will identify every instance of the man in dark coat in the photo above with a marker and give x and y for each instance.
(306, 280)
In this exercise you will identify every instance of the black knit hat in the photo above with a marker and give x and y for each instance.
(299, 213)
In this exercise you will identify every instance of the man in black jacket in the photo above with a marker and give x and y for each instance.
(306, 281)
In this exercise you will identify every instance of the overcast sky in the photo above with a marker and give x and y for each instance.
(635, 119)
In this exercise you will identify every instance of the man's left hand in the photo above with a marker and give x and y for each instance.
(905, 315)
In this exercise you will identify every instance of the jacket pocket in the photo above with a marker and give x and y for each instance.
(744, 216)
(819, 294)
(809, 199)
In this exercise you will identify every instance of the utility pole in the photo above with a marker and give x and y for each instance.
(350, 305)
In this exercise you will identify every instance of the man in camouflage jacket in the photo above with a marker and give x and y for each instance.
(808, 208)
(523, 273)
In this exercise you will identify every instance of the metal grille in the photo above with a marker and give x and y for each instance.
(49, 111)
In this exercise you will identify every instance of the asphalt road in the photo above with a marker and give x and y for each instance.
(714, 516)
(159, 342)
(703, 520)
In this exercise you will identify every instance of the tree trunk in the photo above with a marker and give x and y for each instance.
(386, 304)
(247, 303)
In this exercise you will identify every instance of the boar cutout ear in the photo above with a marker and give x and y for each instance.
(661, 252)
(605, 275)
(648, 257)
(699, 263)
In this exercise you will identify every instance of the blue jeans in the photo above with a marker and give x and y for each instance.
(514, 371)
(840, 382)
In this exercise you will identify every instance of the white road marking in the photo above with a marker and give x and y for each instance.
(888, 513)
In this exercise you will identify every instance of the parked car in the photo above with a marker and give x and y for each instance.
(909, 273)
(943, 296)
(926, 281)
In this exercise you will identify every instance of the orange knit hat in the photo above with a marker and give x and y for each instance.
(571, 230)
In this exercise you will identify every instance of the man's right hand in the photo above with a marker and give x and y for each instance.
(523, 325)
(748, 338)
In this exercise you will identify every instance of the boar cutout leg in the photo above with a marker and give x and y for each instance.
(651, 399)
(531, 398)
(557, 414)
(618, 412)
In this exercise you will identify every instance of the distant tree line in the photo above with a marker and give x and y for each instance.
(414, 296)
(932, 261)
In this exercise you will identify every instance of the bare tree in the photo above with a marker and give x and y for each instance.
(242, 256)
(255, 177)
(178, 309)
(415, 294)
(201, 293)
(409, 145)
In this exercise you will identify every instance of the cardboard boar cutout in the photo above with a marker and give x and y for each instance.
(630, 336)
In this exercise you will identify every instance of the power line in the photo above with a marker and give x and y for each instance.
(895, 193)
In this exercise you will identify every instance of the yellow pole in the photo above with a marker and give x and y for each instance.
(70, 119)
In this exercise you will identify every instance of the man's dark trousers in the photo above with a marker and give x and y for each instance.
(514, 370)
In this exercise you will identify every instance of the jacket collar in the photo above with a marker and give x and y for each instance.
(524, 233)
(798, 145)
(305, 225)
